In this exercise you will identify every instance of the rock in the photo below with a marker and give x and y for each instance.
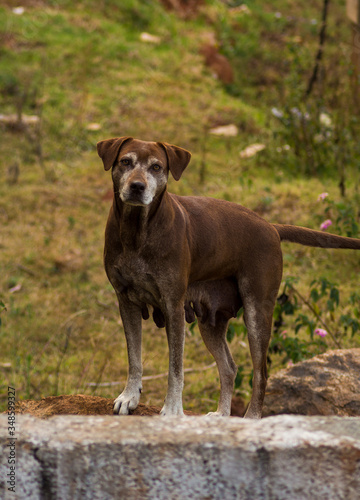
(252, 150)
(24, 119)
(19, 11)
(93, 126)
(102, 458)
(148, 38)
(328, 384)
(230, 130)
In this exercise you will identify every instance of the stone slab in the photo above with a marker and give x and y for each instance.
(111, 457)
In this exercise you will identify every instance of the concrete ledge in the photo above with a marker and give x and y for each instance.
(282, 457)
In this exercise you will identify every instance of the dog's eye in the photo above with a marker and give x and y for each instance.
(156, 167)
(126, 162)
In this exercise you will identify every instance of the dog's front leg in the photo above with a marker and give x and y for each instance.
(175, 330)
(129, 399)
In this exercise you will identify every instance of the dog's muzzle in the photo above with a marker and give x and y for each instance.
(136, 193)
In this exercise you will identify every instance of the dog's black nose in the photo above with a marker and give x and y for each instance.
(137, 187)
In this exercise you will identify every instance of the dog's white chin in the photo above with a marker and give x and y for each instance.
(135, 203)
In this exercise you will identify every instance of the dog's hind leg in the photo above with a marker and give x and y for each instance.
(258, 320)
(215, 340)
(259, 286)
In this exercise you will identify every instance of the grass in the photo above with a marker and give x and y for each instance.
(84, 63)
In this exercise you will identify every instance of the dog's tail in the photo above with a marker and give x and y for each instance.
(312, 238)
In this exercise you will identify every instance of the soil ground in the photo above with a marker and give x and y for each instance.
(81, 404)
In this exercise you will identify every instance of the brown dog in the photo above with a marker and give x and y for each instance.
(187, 256)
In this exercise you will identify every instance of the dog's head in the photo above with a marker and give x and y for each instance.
(140, 169)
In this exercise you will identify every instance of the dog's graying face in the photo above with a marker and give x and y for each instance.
(139, 176)
(140, 169)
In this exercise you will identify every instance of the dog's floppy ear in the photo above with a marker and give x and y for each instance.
(178, 159)
(108, 150)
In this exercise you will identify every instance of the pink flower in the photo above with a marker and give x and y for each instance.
(322, 196)
(327, 223)
(290, 363)
(321, 332)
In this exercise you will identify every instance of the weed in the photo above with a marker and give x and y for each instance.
(343, 214)
(322, 307)
(2, 310)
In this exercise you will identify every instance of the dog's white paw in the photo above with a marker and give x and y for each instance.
(126, 402)
(172, 410)
(216, 414)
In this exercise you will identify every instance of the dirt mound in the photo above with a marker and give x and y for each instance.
(79, 404)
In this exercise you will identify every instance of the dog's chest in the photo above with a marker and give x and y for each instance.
(134, 276)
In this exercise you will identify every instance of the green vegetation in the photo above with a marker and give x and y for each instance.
(83, 71)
